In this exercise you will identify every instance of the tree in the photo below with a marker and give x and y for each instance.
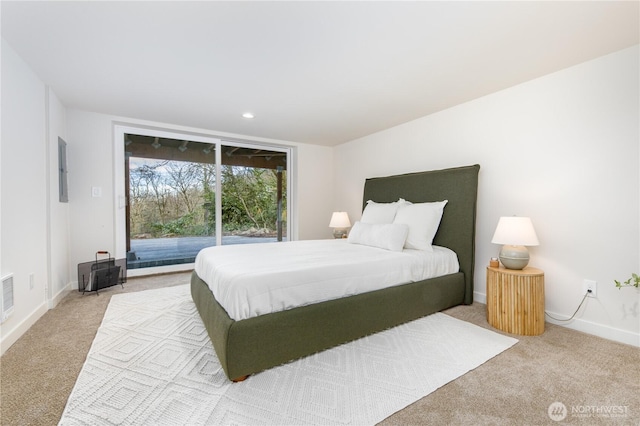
(182, 177)
(248, 197)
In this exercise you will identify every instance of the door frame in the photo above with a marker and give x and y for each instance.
(121, 196)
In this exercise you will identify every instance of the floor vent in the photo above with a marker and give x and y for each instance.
(6, 297)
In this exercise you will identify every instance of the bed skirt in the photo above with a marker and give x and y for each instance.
(251, 345)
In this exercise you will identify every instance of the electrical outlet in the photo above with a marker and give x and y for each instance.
(591, 287)
(32, 280)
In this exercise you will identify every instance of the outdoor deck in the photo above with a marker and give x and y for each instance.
(173, 251)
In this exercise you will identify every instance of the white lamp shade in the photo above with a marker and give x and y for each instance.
(339, 220)
(515, 231)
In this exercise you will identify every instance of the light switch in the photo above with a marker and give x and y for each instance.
(96, 191)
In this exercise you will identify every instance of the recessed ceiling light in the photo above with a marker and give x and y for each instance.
(248, 115)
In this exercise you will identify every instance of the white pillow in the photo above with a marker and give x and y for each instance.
(388, 236)
(423, 220)
(380, 212)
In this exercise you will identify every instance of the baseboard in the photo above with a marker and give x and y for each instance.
(13, 336)
(159, 270)
(604, 331)
(480, 298)
(57, 298)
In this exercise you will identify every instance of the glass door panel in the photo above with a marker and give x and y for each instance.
(253, 195)
(171, 208)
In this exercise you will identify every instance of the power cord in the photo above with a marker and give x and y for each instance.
(574, 314)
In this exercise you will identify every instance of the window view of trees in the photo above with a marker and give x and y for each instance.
(171, 209)
(167, 198)
(249, 200)
(177, 199)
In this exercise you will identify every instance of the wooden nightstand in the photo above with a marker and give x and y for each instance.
(515, 300)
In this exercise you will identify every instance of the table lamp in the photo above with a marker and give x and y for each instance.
(340, 224)
(515, 233)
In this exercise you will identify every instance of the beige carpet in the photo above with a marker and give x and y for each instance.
(590, 376)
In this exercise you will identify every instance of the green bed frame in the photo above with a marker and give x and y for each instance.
(255, 344)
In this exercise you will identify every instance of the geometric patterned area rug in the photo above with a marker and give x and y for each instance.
(152, 363)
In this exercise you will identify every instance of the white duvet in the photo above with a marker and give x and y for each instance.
(256, 279)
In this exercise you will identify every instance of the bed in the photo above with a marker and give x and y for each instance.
(254, 344)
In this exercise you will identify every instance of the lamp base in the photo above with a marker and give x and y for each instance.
(339, 233)
(514, 257)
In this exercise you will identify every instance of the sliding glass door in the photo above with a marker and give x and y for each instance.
(184, 195)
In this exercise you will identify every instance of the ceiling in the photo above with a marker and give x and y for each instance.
(311, 72)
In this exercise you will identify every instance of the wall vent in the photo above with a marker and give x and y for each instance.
(6, 297)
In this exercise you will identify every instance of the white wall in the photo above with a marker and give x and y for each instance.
(24, 193)
(92, 164)
(562, 149)
(60, 270)
(315, 191)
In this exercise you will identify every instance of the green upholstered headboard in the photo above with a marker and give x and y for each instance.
(457, 229)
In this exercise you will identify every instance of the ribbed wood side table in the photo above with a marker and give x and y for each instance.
(515, 300)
